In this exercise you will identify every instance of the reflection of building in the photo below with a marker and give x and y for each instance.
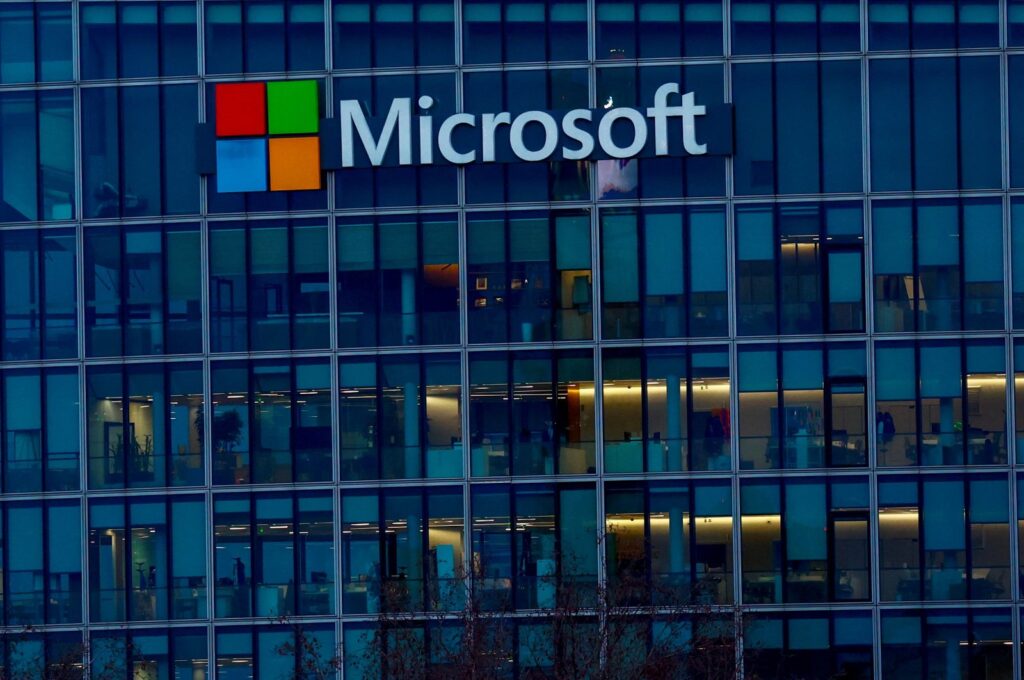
(790, 380)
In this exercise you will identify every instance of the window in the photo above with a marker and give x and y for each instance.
(401, 417)
(504, 31)
(911, 640)
(133, 160)
(29, 653)
(147, 559)
(144, 425)
(1016, 259)
(931, 411)
(398, 280)
(401, 550)
(669, 542)
(934, 124)
(268, 652)
(37, 166)
(664, 272)
(529, 276)
(251, 36)
(137, 40)
(269, 285)
(938, 265)
(273, 554)
(518, 91)
(805, 539)
(666, 409)
(800, 268)
(143, 290)
(36, 39)
(809, 142)
(798, 644)
(653, 29)
(170, 653)
(766, 27)
(921, 25)
(39, 311)
(813, 417)
(369, 33)
(944, 537)
(394, 186)
(271, 421)
(40, 430)
(551, 547)
(42, 562)
(664, 177)
(531, 413)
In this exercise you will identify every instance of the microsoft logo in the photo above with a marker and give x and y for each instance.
(267, 136)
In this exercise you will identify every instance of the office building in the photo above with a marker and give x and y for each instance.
(245, 387)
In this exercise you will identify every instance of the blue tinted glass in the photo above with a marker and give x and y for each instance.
(841, 154)
(17, 43)
(1015, 22)
(890, 124)
(56, 156)
(754, 161)
(932, 24)
(752, 27)
(223, 33)
(59, 292)
(101, 171)
(935, 123)
(21, 332)
(839, 26)
(140, 151)
(978, 23)
(1015, 95)
(179, 184)
(980, 148)
(888, 24)
(265, 36)
(35, 42)
(18, 157)
(139, 41)
(177, 38)
(98, 41)
(796, 129)
(796, 25)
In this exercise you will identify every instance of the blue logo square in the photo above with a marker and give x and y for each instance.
(241, 165)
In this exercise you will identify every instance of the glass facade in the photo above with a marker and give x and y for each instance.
(788, 382)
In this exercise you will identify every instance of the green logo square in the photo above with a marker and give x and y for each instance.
(292, 107)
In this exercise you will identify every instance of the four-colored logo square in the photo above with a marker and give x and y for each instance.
(267, 136)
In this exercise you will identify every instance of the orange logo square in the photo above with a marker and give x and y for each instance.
(294, 163)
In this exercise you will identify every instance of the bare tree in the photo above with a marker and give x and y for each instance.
(71, 660)
(460, 637)
(597, 631)
(312, 661)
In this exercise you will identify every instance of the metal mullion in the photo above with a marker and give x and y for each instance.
(686, 464)
(783, 535)
(421, 409)
(968, 547)
(964, 411)
(424, 552)
(379, 416)
(921, 564)
(556, 444)
(645, 499)
(830, 532)
(296, 562)
(293, 418)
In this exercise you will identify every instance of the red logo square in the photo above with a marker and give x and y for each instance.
(241, 109)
